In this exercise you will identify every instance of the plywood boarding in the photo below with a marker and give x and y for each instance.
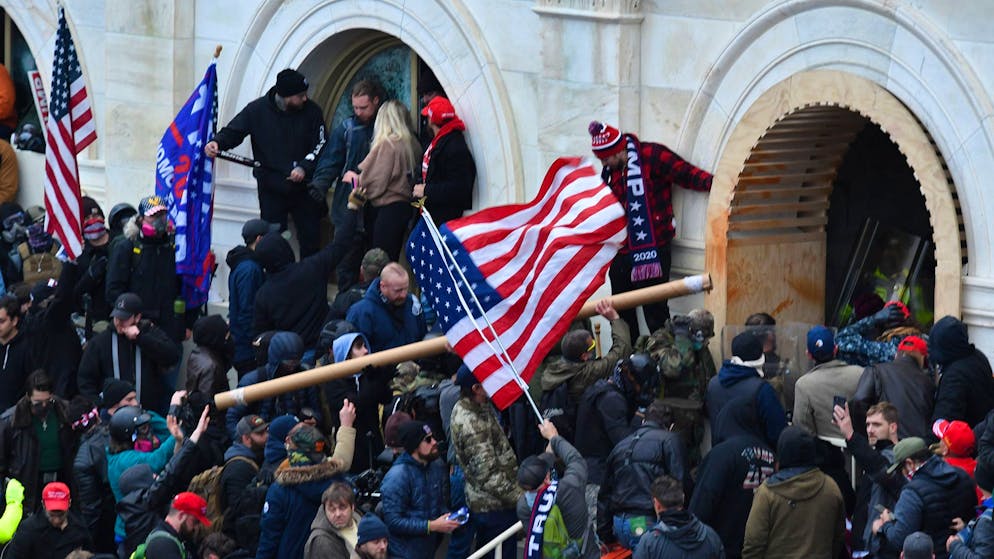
(786, 280)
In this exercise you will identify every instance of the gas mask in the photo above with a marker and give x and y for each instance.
(144, 440)
(156, 226)
(14, 229)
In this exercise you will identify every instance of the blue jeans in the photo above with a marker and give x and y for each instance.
(489, 525)
(628, 538)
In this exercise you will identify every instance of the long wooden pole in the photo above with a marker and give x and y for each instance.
(419, 350)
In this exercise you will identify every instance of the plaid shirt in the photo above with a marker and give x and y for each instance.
(661, 168)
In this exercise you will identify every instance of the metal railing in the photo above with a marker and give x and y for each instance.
(494, 544)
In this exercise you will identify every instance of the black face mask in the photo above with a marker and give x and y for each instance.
(39, 409)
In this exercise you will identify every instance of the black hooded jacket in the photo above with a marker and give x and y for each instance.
(604, 417)
(730, 474)
(294, 296)
(966, 387)
(679, 534)
(54, 343)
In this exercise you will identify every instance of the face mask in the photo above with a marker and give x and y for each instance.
(697, 345)
(530, 498)
(143, 445)
(39, 409)
(155, 226)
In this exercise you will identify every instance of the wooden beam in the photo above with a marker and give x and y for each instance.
(761, 209)
(781, 193)
(783, 238)
(779, 223)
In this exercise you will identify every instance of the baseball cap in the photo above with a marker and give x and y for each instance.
(192, 504)
(256, 227)
(918, 545)
(439, 110)
(913, 343)
(533, 470)
(126, 306)
(250, 424)
(904, 449)
(465, 377)
(55, 496)
(821, 343)
(151, 205)
(957, 435)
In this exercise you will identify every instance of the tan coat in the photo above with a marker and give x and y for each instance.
(385, 174)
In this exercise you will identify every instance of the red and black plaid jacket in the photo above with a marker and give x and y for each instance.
(661, 168)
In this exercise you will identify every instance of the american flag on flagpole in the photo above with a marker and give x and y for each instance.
(70, 128)
(531, 267)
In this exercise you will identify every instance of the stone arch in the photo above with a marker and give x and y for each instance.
(836, 103)
(283, 34)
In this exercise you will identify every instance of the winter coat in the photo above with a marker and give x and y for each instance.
(875, 487)
(344, 301)
(966, 387)
(206, 372)
(814, 393)
(147, 267)
(245, 277)
(414, 494)
(905, 385)
(145, 498)
(294, 296)
(92, 281)
(729, 476)
(281, 140)
(236, 473)
(796, 513)
(91, 491)
(488, 463)
(583, 374)
(604, 417)
(15, 366)
(679, 534)
(570, 497)
(936, 494)
(295, 498)
(450, 177)
(19, 449)
(387, 326)
(347, 145)
(36, 538)
(741, 382)
(860, 344)
(121, 461)
(976, 540)
(634, 463)
(158, 354)
(387, 172)
(286, 346)
(55, 344)
(326, 541)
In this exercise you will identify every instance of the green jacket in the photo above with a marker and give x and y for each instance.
(486, 457)
(686, 371)
(582, 375)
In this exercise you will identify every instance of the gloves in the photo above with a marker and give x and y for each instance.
(15, 492)
(315, 193)
(98, 268)
(357, 198)
(890, 314)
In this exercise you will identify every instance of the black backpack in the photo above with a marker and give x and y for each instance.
(558, 407)
(244, 514)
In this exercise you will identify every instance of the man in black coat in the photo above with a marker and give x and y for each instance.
(16, 349)
(48, 324)
(134, 350)
(966, 387)
(903, 383)
(448, 171)
(51, 533)
(287, 132)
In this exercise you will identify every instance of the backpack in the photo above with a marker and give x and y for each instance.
(39, 266)
(207, 484)
(558, 407)
(246, 511)
(556, 543)
(139, 552)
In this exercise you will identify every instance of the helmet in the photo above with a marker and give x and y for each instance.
(126, 421)
(331, 332)
(119, 213)
(701, 323)
(645, 371)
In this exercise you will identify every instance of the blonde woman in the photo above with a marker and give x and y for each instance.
(386, 175)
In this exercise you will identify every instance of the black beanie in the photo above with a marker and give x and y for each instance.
(747, 347)
(796, 448)
(290, 82)
(412, 433)
(210, 331)
(114, 391)
(984, 476)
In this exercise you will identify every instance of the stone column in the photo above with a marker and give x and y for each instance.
(591, 63)
(149, 73)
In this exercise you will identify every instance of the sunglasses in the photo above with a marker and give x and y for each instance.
(428, 439)
(593, 346)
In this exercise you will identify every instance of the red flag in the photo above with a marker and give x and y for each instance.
(70, 128)
(530, 266)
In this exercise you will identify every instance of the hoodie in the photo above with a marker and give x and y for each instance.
(679, 534)
(328, 542)
(966, 385)
(743, 385)
(245, 277)
(367, 390)
(287, 346)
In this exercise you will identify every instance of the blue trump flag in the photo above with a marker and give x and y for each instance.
(184, 178)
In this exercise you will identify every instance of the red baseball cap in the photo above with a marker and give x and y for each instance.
(957, 435)
(439, 110)
(55, 496)
(192, 504)
(915, 344)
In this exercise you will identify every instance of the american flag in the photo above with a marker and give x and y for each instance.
(70, 129)
(530, 266)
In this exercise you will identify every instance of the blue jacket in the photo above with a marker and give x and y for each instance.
(244, 279)
(413, 495)
(744, 385)
(679, 534)
(384, 325)
(976, 540)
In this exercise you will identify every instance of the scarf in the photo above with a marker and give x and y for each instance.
(544, 501)
(450, 126)
(641, 238)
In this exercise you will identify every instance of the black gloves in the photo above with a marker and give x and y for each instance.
(315, 193)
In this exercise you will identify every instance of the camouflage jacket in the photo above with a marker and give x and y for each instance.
(686, 372)
(483, 451)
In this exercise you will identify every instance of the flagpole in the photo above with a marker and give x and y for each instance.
(436, 346)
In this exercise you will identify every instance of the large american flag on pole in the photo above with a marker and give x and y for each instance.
(69, 130)
(530, 266)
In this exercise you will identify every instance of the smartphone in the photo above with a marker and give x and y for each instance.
(839, 401)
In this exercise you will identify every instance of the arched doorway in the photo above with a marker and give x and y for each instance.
(768, 213)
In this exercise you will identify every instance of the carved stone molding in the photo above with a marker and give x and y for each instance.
(620, 11)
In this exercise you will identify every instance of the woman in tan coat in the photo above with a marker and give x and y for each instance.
(386, 174)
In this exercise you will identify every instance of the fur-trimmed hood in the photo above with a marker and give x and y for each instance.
(301, 475)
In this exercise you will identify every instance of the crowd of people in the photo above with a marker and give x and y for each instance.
(111, 445)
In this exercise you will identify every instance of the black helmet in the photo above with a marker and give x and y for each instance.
(126, 421)
(331, 331)
(119, 213)
(645, 371)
